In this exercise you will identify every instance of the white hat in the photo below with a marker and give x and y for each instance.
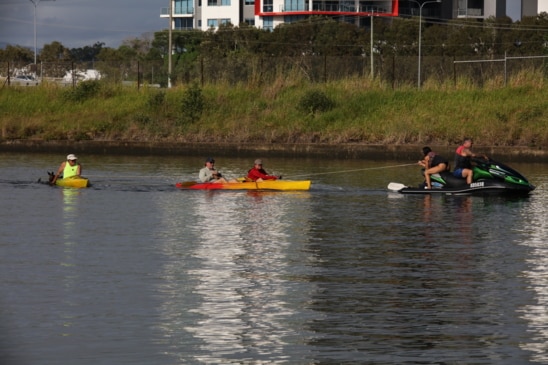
(72, 157)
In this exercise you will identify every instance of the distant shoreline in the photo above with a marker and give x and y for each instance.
(298, 150)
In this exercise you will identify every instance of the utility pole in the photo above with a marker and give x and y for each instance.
(169, 46)
(35, 3)
(371, 51)
(420, 35)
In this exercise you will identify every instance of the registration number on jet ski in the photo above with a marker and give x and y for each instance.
(477, 184)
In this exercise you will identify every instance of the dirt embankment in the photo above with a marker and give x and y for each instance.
(311, 150)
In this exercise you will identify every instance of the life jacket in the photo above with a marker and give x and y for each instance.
(70, 171)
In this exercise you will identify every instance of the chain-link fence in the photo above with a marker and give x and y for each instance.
(394, 70)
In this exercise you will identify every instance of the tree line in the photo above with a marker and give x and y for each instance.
(317, 49)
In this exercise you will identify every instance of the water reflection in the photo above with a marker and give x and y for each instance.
(536, 313)
(70, 206)
(236, 285)
(221, 305)
(445, 217)
(417, 281)
(71, 201)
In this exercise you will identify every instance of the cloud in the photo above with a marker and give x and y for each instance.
(78, 23)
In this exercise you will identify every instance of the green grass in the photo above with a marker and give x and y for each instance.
(356, 111)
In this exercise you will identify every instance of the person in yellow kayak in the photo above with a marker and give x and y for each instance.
(68, 168)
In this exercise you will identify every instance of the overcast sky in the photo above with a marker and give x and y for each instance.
(79, 23)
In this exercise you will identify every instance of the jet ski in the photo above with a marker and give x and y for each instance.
(490, 178)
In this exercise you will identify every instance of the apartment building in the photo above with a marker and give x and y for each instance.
(267, 14)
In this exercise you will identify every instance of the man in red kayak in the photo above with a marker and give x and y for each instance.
(257, 173)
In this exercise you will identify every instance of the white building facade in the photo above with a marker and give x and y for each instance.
(267, 14)
(543, 6)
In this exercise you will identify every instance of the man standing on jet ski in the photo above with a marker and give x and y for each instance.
(463, 163)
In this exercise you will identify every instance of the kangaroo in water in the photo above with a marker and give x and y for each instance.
(51, 175)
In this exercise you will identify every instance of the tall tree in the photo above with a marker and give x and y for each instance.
(54, 52)
(18, 54)
(87, 53)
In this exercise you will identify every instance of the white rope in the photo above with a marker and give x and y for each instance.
(118, 177)
(357, 170)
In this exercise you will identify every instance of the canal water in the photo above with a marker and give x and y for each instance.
(135, 271)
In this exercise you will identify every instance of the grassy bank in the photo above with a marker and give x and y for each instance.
(287, 111)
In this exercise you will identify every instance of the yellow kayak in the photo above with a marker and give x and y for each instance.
(262, 185)
(73, 182)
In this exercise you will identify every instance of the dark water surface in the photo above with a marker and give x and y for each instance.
(134, 271)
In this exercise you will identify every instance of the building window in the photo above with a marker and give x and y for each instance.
(326, 6)
(184, 6)
(268, 23)
(249, 2)
(268, 6)
(212, 23)
(225, 21)
(183, 23)
(294, 5)
(218, 2)
(250, 21)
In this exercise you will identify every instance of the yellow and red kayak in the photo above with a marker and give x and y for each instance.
(73, 182)
(246, 185)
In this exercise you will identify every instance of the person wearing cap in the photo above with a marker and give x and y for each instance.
(257, 173)
(209, 174)
(68, 168)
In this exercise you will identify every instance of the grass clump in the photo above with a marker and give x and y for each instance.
(192, 105)
(315, 101)
(83, 91)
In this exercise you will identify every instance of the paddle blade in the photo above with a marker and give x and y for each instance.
(396, 186)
